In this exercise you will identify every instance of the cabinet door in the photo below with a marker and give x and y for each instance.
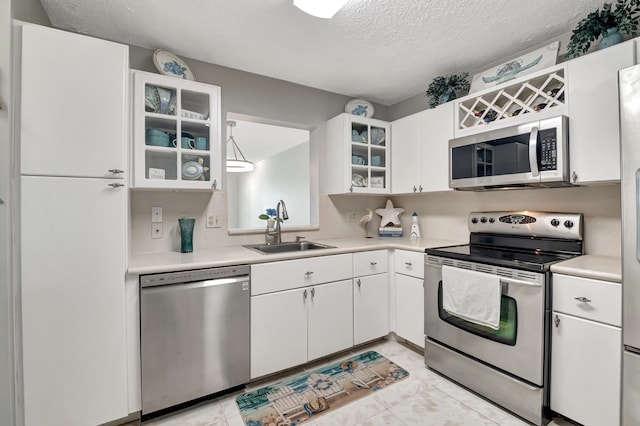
(585, 370)
(73, 119)
(278, 331)
(594, 135)
(436, 128)
(330, 316)
(405, 155)
(176, 133)
(370, 307)
(73, 301)
(410, 309)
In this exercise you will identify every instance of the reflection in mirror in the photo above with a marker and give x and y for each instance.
(281, 154)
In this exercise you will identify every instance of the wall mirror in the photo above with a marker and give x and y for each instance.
(284, 170)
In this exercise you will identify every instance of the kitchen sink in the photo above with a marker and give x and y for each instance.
(287, 247)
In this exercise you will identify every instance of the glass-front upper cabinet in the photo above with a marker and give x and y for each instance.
(176, 133)
(365, 163)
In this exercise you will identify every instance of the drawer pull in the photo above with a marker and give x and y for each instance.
(308, 273)
(359, 283)
(304, 294)
(116, 171)
(408, 264)
(116, 185)
(374, 263)
(557, 321)
(582, 299)
(313, 293)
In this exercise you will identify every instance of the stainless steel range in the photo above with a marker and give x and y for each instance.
(506, 362)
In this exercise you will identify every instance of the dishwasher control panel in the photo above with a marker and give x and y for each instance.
(164, 278)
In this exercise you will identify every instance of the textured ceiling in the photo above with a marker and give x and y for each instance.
(380, 50)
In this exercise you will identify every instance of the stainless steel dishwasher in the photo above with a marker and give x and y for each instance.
(194, 334)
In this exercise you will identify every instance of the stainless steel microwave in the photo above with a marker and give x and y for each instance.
(534, 154)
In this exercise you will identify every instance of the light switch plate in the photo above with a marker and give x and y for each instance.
(214, 221)
(156, 214)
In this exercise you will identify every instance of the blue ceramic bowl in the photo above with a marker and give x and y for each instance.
(157, 138)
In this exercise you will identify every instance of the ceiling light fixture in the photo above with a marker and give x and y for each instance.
(235, 164)
(320, 8)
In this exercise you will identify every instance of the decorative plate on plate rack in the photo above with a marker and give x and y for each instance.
(358, 180)
(359, 107)
(169, 64)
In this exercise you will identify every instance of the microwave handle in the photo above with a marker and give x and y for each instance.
(533, 152)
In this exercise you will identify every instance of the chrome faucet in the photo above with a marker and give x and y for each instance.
(276, 233)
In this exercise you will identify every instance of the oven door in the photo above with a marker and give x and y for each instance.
(517, 347)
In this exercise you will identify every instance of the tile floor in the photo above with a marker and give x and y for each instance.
(424, 398)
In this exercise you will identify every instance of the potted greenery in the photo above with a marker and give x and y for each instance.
(443, 89)
(606, 22)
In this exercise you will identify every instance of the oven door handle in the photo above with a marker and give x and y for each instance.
(507, 281)
(533, 152)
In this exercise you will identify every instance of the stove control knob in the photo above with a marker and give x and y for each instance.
(483, 219)
(568, 224)
(474, 220)
(555, 222)
(491, 220)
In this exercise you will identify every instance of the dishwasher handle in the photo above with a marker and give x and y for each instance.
(244, 280)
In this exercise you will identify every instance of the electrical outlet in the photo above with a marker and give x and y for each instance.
(352, 216)
(156, 230)
(214, 221)
(156, 214)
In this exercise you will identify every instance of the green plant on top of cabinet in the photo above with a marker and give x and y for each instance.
(356, 157)
(176, 133)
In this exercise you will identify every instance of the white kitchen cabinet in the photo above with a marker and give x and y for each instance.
(585, 352)
(594, 135)
(73, 104)
(409, 296)
(176, 133)
(370, 295)
(300, 310)
(291, 327)
(356, 157)
(278, 331)
(73, 302)
(420, 154)
(73, 123)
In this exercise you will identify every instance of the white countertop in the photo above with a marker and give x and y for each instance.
(589, 266)
(149, 263)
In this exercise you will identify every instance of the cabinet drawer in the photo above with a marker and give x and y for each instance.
(409, 263)
(288, 274)
(370, 262)
(601, 300)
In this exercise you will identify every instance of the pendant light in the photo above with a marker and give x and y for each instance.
(235, 164)
(320, 8)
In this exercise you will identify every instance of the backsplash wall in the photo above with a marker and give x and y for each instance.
(442, 215)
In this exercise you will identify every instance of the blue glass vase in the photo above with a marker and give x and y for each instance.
(612, 37)
(186, 235)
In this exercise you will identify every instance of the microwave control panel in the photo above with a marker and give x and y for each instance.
(548, 150)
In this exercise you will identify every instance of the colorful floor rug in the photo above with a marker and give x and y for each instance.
(294, 401)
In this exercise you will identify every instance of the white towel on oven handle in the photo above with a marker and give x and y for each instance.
(472, 296)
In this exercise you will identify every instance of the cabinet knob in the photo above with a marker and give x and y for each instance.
(359, 282)
(408, 264)
(313, 293)
(374, 263)
(415, 189)
(308, 273)
(351, 188)
(557, 321)
(116, 185)
(215, 184)
(420, 188)
(582, 299)
(574, 176)
(304, 294)
(116, 171)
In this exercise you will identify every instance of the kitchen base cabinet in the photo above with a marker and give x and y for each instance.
(370, 307)
(585, 370)
(73, 301)
(409, 300)
(586, 346)
(291, 327)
